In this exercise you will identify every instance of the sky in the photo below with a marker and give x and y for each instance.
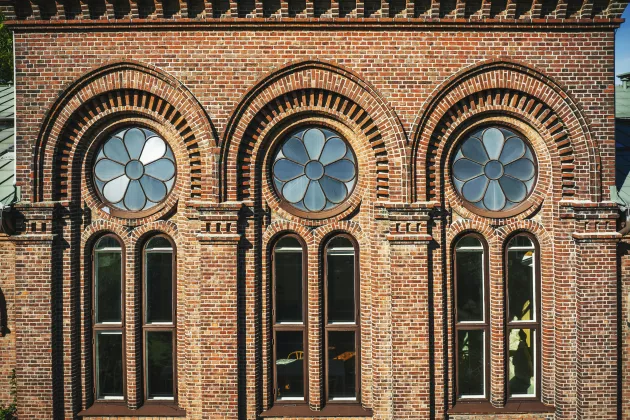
(622, 46)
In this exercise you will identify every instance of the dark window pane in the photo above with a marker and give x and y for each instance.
(288, 285)
(290, 364)
(470, 363)
(521, 367)
(109, 365)
(159, 286)
(340, 275)
(520, 268)
(108, 272)
(469, 269)
(342, 361)
(159, 364)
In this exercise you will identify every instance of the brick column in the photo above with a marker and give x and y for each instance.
(410, 306)
(218, 313)
(37, 316)
(597, 312)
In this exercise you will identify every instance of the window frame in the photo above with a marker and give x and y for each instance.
(303, 327)
(356, 328)
(110, 327)
(483, 326)
(532, 325)
(147, 327)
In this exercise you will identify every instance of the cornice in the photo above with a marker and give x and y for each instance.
(315, 24)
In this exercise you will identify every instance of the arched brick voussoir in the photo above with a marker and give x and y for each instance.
(508, 76)
(142, 233)
(302, 80)
(136, 87)
(282, 227)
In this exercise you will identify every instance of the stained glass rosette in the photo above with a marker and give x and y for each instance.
(494, 169)
(314, 170)
(134, 170)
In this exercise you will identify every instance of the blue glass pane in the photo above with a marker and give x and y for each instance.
(335, 190)
(514, 189)
(286, 170)
(314, 170)
(155, 190)
(153, 150)
(115, 150)
(135, 198)
(522, 169)
(514, 149)
(494, 199)
(342, 170)
(474, 189)
(294, 191)
(314, 200)
(314, 140)
(294, 150)
(162, 169)
(334, 150)
(493, 140)
(474, 150)
(134, 140)
(114, 190)
(465, 169)
(107, 170)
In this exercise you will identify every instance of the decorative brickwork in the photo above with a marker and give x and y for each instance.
(402, 82)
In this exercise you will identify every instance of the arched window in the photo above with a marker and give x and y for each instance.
(523, 317)
(108, 319)
(289, 320)
(472, 332)
(342, 324)
(159, 321)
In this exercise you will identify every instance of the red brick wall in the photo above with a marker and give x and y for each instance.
(7, 318)
(217, 92)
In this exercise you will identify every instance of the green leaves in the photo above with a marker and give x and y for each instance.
(6, 55)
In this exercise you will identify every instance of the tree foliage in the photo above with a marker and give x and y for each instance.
(6, 53)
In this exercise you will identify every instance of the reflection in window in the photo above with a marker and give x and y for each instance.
(471, 324)
(289, 328)
(159, 326)
(522, 318)
(342, 327)
(108, 319)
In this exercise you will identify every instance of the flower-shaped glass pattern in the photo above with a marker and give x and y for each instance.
(494, 169)
(314, 169)
(134, 170)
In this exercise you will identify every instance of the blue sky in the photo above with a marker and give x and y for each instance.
(622, 46)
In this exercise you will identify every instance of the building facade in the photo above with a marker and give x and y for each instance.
(314, 209)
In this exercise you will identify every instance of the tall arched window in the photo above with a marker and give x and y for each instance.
(342, 325)
(159, 324)
(108, 319)
(289, 320)
(523, 317)
(472, 332)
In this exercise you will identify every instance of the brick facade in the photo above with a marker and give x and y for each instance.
(219, 81)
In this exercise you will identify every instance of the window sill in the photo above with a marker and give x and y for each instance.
(485, 407)
(330, 410)
(103, 409)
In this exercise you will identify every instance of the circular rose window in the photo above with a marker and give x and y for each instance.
(134, 170)
(314, 169)
(494, 169)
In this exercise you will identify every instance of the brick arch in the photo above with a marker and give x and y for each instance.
(102, 227)
(463, 226)
(319, 87)
(281, 227)
(141, 233)
(507, 85)
(126, 87)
